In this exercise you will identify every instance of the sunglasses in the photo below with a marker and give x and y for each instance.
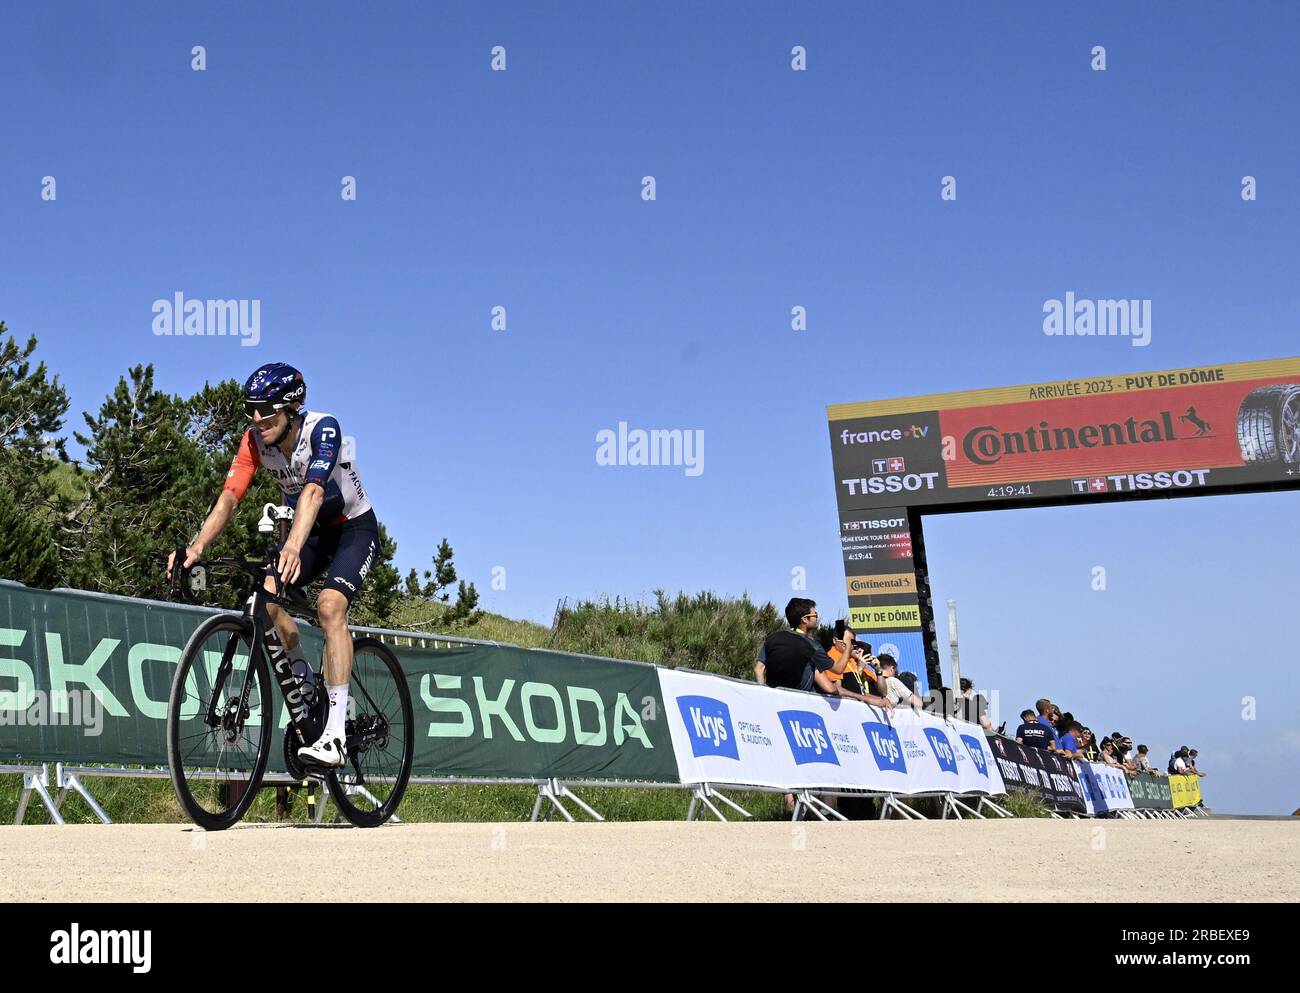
(265, 408)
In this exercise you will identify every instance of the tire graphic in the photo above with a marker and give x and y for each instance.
(1268, 425)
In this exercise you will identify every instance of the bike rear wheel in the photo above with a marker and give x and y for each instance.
(380, 737)
(217, 753)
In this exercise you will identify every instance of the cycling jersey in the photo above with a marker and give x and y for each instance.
(320, 457)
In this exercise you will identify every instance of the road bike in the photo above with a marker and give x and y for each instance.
(222, 716)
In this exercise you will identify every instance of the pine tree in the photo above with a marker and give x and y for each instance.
(437, 589)
(32, 408)
(27, 550)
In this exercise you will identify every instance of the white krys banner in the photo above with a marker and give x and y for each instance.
(727, 731)
(1105, 788)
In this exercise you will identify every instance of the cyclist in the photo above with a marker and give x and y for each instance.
(334, 530)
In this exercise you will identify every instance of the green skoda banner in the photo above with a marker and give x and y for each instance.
(1150, 792)
(84, 679)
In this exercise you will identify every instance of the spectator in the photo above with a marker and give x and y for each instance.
(1127, 757)
(895, 690)
(1044, 708)
(840, 651)
(851, 685)
(1108, 753)
(1142, 762)
(794, 659)
(1191, 763)
(1121, 749)
(869, 671)
(1178, 762)
(1069, 744)
(972, 707)
(1032, 733)
(1089, 745)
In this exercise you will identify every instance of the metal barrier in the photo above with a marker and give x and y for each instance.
(552, 793)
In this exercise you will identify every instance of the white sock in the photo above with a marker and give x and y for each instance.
(338, 711)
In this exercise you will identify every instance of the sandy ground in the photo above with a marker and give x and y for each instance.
(1037, 860)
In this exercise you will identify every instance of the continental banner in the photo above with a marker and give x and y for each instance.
(728, 731)
(1150, 792)
(1185, 791)
(1171, 432)
(85, 680)
(1037, 771)
(1164, 431)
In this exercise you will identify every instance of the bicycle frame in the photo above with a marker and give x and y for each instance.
(266, 640)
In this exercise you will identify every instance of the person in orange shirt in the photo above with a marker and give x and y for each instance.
(856, 677)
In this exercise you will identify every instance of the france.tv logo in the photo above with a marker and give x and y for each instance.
(885, 747)
(976, 754)
(708, 725)
(808, 737)
(942, 749)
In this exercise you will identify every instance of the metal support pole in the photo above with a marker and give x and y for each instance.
(564, 791)
(67, 781)
(951, 803)
(817, 805)
(890, 804)
(700, 798)
(987, 804)
(36, 782)
(952, 643)
(548, 791)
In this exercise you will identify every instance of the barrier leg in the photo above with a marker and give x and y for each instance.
(700, 798)
(547, 793)
(36, 782)
(987, 804)
(730, 803)
(817, 806)
(890, 805)
(582, 805)
(67, 781)
(950, 802)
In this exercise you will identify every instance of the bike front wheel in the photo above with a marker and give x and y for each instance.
(380, 737)
(219, 723)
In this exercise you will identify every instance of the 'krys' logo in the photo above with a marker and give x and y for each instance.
(941, 748)
(808, 737)
(708, 725)
(885, 747)
(976, 752)
(986, 445)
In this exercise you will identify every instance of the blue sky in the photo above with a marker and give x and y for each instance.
(775, 188)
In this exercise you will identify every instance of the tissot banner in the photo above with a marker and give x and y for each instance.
(1105, 787)
(727, 731)
(1038, 771)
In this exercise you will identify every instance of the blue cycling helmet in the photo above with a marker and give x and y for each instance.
(273, 386)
